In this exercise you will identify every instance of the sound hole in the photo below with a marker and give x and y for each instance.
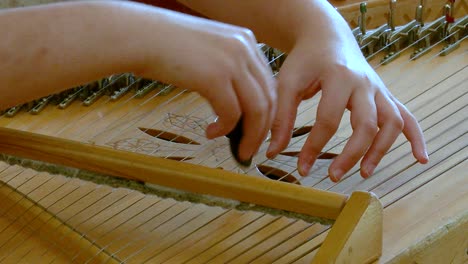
(322, 155)
(277, 174)
(168, 136)
(297, 132)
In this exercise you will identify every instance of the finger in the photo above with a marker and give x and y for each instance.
(329, 112)
(283, 123)
(264, 77)
(256, 111)
(413, 133)
(293, 81)
(227, 108)
(391, 124)
(364, 123)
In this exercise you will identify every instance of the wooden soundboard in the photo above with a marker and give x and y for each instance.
(52, 218)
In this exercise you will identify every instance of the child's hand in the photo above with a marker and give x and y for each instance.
(335, 65)
(223, 64)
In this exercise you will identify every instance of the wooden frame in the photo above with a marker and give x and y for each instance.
(45, 224)
(355, 236)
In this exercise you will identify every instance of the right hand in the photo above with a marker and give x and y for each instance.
(223, 64)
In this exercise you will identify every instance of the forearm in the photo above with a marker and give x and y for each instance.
(49, 48)
(279, 23)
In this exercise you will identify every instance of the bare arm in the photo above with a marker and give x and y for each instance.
(278, 23)
(49, 48)
(53, 47)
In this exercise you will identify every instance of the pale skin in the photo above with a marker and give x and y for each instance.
(222, 63)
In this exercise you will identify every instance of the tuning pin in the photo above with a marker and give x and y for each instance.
(362, 18)
(448, 11)
(419, 13)
(133, 85)
(453, 30)
(13, 111)
(391, 21)
(449, 19)
(70, 98)
(40, 105)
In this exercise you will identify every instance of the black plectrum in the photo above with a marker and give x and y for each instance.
(235, 137)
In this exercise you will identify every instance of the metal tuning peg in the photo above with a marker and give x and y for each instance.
(391, 16)
(132, 84)
(455, 34)
(454, 30)
(274, 56)
(420, 13)
(362, 19)
(397, 37)
(70, 97)
(426, 33)
(277, 57)
(368, 40)
(147, 87)
(13, 111)
(449, 18)
(165, 89)
(40, 105)
(97, 91)
(358, 32)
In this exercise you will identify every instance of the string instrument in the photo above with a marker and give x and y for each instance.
(119, 170)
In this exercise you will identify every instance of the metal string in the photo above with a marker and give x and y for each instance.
(414, 163)
(347, 125)
(258, 242)
(64, 221)
(94, 240)
(141, 238)
(148, 245)
(97, 213)
(121, 224)
(404, 142)
(35, 230)
(129, 232)
(464, 150)
(269, 222)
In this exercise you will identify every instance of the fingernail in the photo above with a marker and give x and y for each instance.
(336, 175)
(304, 169)
(332, 178)
(213, 130)
(426, 157)
(271, 151)
(245, 162)
(369, 170)
(241, 158)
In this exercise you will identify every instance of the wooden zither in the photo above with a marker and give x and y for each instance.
(119, 170)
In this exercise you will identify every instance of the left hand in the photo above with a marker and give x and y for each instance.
(333, 63)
